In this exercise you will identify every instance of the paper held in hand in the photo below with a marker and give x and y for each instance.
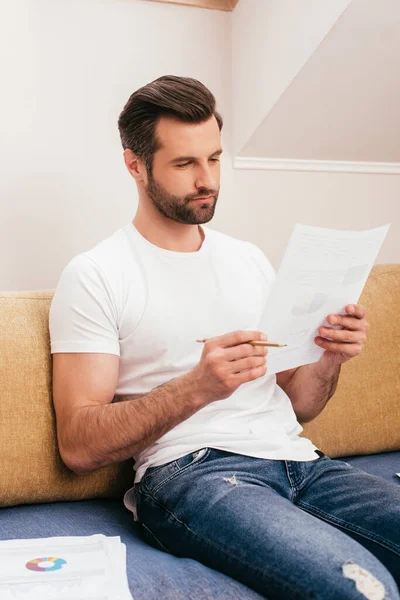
(321, 272)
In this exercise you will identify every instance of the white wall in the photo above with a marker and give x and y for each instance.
(265, 205)
(67, 69)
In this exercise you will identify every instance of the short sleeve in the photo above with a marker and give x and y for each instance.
(83, 315)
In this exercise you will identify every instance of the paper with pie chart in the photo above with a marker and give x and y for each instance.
(321, 272)
(70, 567)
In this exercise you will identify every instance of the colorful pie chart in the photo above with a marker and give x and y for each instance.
(56, 563)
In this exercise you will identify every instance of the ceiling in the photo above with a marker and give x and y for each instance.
(227, 5)
(339, 104)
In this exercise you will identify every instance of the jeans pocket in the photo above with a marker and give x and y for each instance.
(156, 477)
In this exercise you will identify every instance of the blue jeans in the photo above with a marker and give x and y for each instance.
(287, 529)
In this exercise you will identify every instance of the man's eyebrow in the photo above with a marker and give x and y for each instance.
(186, 158)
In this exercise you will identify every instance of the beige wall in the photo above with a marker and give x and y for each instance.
(69, 69)
(265, 205)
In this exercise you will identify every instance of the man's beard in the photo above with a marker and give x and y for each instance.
(181, 209)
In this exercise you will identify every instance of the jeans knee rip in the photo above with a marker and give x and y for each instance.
(365, 582)
(232, 480)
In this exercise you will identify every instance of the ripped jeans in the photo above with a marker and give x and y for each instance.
(291, 530)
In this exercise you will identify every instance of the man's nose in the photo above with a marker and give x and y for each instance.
(206, 179)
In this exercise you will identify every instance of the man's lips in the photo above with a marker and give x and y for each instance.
(203, 199)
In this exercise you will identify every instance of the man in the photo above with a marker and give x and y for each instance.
(222, 475)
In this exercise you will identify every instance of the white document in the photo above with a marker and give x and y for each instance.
(321, 272)
(56, 568)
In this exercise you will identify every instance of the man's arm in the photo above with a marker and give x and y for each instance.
(93, 431)
(309, 387)
(135, 423)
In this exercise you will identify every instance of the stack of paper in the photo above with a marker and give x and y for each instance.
(55, 568)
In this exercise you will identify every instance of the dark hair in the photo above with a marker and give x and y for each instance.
(184, 98)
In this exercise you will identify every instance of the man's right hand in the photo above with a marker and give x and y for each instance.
(228, 361)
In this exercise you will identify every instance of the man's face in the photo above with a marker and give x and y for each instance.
(185, 168)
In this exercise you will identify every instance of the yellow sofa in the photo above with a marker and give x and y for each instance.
(362, 418)
(41, 497)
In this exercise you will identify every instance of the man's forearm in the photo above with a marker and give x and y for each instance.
(311, 387)
(101, 435)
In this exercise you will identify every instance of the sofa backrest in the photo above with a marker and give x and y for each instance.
(363, 416)
(31, 468)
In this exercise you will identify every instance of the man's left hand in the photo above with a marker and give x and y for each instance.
(347, 342)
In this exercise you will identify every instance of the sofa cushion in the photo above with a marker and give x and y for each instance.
(384, 464)
(363, 416)
(152, 574)
(31, 466)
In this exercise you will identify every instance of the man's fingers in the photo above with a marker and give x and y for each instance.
(347, 322)
(250, 375)
(244, 364)
(356, 310)
(243, 350)
(343, 335)
(235, 338)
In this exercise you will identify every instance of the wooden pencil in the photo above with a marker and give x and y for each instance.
(254, 343)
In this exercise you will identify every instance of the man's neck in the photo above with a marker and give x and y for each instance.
(170, 235)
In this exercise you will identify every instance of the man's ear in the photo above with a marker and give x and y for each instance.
(135, 166)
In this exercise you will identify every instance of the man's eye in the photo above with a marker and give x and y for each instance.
(184, 165)
(214, 159)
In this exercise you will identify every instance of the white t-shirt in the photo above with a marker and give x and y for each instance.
(148, 305)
